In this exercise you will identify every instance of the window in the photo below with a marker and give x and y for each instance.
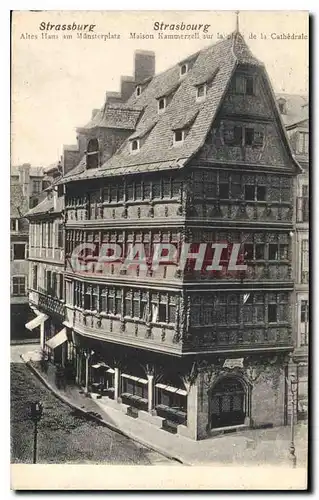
(162, 313)
(60, 235)
(18, 285)
(304, 261)
(224, 191)
(184, 69)
(249, 136)
(261, 193)
(249, 192)
(118, 302)
(303, 142)
(179, 136)
(248, 251)
(135, 145)
(243, 85)
(48, 281)
(103, 300)
(201, 91)
(87, 299)
(14, 224)
(249, 85)
(92, 154)
(36, 187)
(110, 303)
(19, 251)
(171, 313)
(138, 90)
(260, 251)
(272, 313)
(136, 305)
(304, 311)
(238, 136)
(273, 251)
(50, 234)
(305, 190)
(161, 104)
(283, 252)
(128, 304)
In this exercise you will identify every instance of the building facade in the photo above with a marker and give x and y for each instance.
(46, 265)
(196, 154)
(295, 114)
(26, 187)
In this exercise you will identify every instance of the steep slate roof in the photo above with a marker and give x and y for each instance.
(297, 109)
(46, 206)
(215, 64)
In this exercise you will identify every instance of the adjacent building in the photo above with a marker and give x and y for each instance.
(294, 111)
(26, 188)
(196, 154)
(46, 265)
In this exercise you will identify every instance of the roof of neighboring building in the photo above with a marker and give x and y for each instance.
(34, 171)
(115, 115)
(18, 202)
(214, 65)
(297, 108)
(46, 206)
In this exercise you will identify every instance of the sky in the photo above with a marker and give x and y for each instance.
(57, 82)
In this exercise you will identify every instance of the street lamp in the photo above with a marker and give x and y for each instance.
(36, 410)
(293, 383)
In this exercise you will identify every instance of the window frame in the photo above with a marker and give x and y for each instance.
(164, 101)
(181, 72)
(203, 86)
(175, 142)
(137, 142)
(19, 277)
(13, 250)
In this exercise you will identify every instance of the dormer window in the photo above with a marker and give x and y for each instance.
(161, 104)
(135, 145)
(201, 91)
(184, 69)
(138, 90)
(92, 154)
(179, 136)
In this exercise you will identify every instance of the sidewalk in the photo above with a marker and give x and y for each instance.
(254, 446)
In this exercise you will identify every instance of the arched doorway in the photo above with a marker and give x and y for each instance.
(227, 403)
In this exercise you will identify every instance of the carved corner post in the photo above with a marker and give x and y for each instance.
(150, 371)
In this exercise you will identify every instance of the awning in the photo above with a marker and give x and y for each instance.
(169, 388)
(136, 379)
(58, 339)
(41, 318)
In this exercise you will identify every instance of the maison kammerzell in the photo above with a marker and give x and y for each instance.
(197, 153)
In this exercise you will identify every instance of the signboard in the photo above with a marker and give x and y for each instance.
(234, 363)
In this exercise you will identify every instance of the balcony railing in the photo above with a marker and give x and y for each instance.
(302, 209)
(48, 303)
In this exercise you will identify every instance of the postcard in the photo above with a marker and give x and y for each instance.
(159, 250)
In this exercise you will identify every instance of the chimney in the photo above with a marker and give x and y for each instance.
(144, 65)
(127, 87)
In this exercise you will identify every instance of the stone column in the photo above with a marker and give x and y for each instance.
(42, 337)
(116, 383)
(87, 368)
(150, 388)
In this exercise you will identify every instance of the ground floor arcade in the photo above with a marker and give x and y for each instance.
(194, 397)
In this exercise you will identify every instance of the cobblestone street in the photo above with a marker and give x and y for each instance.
(64, 436)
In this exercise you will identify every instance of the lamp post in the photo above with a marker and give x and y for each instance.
(36, 410)
(293, 383)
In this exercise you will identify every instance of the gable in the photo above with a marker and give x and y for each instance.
(248, 129)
